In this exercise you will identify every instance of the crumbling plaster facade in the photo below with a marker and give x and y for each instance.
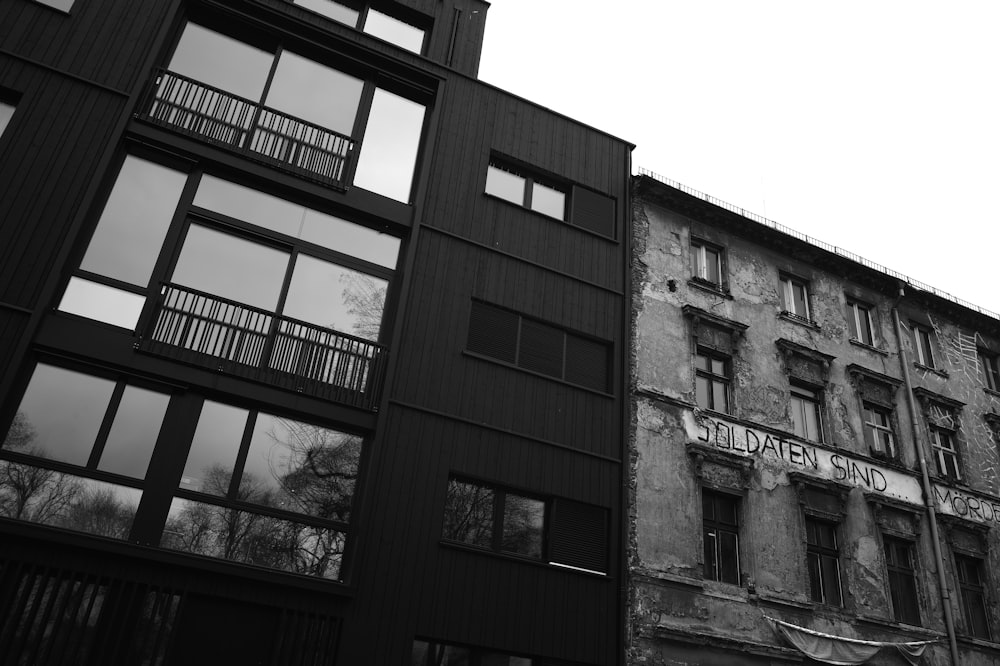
(748, 449)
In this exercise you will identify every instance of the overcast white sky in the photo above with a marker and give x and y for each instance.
(874, 125)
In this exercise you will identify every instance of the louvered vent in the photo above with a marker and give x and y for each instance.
(579, 535)
(587, 363)
(493, 332)
(541, 348)
(594, 212)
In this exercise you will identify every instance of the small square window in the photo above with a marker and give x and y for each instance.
(706, 262)
(991, 374)
(712, 380)
(795, 297)
(923, 350)
(721, 534)
(807, 413)
(823, 562)
(859, 321)
(878, 430)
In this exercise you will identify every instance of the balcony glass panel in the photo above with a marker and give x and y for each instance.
(60, 415)
(134, 222)
(101, 302)
(230, 267)
(315, 93)
(221, 62)
(332, 296)
(390, 145)
(133, 434)
(297, 221)
(395, 31)
(214, 449)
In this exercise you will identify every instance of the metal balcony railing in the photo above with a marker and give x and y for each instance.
(202, 329)
(249, 128)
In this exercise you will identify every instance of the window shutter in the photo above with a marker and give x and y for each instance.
(587, 363)
(578, 535)
(493, 332)
(593, 212)
(541, 348)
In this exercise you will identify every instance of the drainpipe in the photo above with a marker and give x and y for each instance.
(929, 501)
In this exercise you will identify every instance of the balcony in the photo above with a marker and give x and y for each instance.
(248, 128)
(233, 338)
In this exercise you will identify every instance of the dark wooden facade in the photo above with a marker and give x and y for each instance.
(80, 83)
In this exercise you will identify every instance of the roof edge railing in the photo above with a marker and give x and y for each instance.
(916, 284)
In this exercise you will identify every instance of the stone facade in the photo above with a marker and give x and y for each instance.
(752, 384)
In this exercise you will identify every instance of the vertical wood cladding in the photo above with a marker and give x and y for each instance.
(434, 371)
(104, 41)
(12, 325)
(439, 590)
(42, 191)
(545, 141)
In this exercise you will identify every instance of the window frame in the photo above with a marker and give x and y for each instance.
(901, 579)
(971, 592)
(988, 363)
(10, 100)
(551, 507)
(715, 558)
(699, 251)
(816, 552)
(861, 321)
(713, 379)
(788, 283)
(939, 436)
(872, 429)
(529, 179)
(923, 345)
(362, 9)
(801, 395)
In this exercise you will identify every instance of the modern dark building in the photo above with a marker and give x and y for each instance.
(815, 457)
(313, 348)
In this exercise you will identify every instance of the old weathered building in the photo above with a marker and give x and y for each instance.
(787, 400)
(312, 346)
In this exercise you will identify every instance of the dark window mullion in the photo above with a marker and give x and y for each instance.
(517, 345)
(360, 129)
(499, 501)
(564, 339)
(105, 429)
(529, 188)
(241, 457)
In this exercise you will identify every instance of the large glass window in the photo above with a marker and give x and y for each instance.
(301, 116)
(256, 488)
(91, 425)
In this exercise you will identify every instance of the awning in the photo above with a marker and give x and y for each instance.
(831, 649)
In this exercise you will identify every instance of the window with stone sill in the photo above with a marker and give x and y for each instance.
(806, 406)
(923, 348)
(823, 562)
(794, 294)
(707, 264)
(860, 322)
(900, 562)
(945, 448)
(721, 536)
(990, 369)
(879, 436)
(971, 576)
(713, 377)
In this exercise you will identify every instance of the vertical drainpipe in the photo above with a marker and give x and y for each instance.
(929, 502)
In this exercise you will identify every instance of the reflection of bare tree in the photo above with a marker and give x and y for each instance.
(99, 511)
(316, 477)
(468, 514)
(32, 493)
(523, 518)
(364, 297)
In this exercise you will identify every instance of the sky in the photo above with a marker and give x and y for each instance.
(873, 126)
